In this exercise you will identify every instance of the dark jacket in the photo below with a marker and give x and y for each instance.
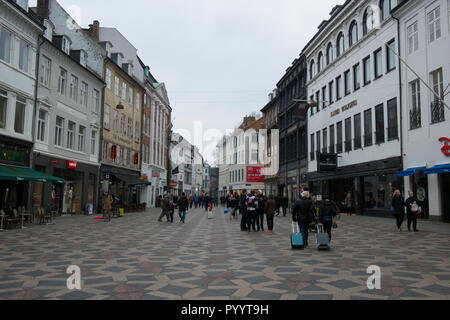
(183, 204)
(270, 207)
(302, 211)
(327, 212)
(408, 203)
(261, 204)
(398, 203)
(165, 204)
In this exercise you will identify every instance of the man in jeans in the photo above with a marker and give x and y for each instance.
(183, 205)
(302, 213)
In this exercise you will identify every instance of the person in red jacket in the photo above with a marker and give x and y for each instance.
(191, 201)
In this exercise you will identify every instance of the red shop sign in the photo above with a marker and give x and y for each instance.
(71, 165)
(54, 161)
(446, 148)
(255, 174)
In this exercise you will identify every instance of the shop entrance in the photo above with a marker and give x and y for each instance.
(445, 187)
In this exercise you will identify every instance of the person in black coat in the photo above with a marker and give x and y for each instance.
(243, 210)
(302, 214)
(183, 206)
(398, 203)
(278, 202)
(412, 216)
(327, 213)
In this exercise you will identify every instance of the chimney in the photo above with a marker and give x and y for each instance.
(43, 8)
(94, 30)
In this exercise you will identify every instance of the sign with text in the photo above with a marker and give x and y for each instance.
(327, 162)
(72, 165)
(255, 174)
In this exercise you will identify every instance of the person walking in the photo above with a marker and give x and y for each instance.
(270, 208)
(106, 204)
(164, 208)
(191, 201)
(260, 212)
(398, 203)
(278, 201)
(171, 208)
(302, 214)
(206, 201)
(183, 206)
(285, 204)
(411, 206)
(327, 213)
(252, 207)
(243, 209)
(196, 201)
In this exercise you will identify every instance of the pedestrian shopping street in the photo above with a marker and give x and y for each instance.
(135, 257)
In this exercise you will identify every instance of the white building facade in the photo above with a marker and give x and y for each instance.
(353, 76)
(425, 44)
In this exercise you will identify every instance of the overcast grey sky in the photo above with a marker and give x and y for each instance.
(219, 59)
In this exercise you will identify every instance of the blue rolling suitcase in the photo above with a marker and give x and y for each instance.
(296, 237)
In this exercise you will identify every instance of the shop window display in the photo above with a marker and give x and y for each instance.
(378, 191)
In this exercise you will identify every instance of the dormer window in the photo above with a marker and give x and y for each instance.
(48, 30)
(65, 45)
(83, 58)
(117, 58)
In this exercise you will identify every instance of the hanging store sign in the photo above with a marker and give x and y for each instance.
(446, 148)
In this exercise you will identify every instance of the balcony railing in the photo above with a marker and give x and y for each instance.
(368, 140)
(392, 133)
(437, 112)
(415, 119)
(357, 143)
(380, 138)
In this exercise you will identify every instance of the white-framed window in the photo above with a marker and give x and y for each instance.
(84, 94)
(137, 136)
(93, 142)
(45, 71)
(5, 45)
(108, 78)
(81, 138)
(24, 50)
(415, 106)
(124, 91)
(62, 81)
(130, 129)
(70, 135)
(65, 46)
(138, 101)
(254, 155)
(122, 124)
(130, 96)
(105, 150)
(73, 88)
(19, 120)
(83, 58)
(434, 24)
(115, 121)
(116, 85)
(106, 116)
(96, 97)
(59, 130)
(42, 126)
(3, 108)
(390, 56)
(412, 34)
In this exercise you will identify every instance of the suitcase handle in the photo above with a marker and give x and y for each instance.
(293, 227)
(320, 228)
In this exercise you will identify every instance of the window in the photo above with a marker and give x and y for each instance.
(312, 153)
(84, 94)
(366, 71)
(312, 70)
(392, 119)
(368, 140)
(434, 24)
(116, 86)
(320, 62)
(357, 130)
(108, 78)
(116, 121)
(41, 126)
(347, 82)
(62, 81)
(339, 137)
(356, 77)
(5, 45)
(415, 106)
(59, 129)
(105, 153)
(70, 135)
(318, 100)
(379, 123)
(318, 143)
(332, 140)
(368, 21)
(353, 34)
(325, 140)
(390, 56)
(338, 88)
(340, 47)
(130, 124)
(437, 105)
(137, 135)
(329, 53)
(254, 158)
(254, 138)
(130, 96)
(385, 7)
(378, 63)
(106, 117)
(81, 137)
(122, 124)
(412, 34)
(73, 88)
(348, 134)
(324, 97)
(93, 142)
(65, 46)
(19, 121)
(129, 157)
(24, 49)
(138, 101)
(45, 71)
(124, 91)
(96, 101)
(83, 58)
(3, 108)
(330, 92)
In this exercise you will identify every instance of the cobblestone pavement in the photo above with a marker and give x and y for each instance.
(136, 257)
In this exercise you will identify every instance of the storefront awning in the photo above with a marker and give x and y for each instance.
(10, 173)
(442, 168)
(132, 180)
(410, 172)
